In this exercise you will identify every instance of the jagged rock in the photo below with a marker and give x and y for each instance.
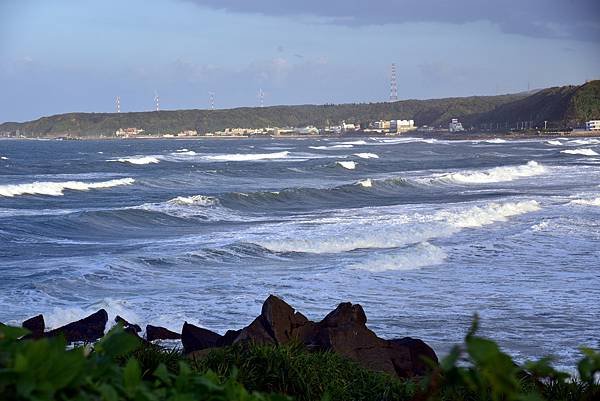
(87, 329)
(35, 325)
(228, 338)
(134, 328)
(160, 333)
(278, 323)
(419, 352)
(196, 338)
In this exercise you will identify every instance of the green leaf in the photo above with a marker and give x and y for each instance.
(132, 374)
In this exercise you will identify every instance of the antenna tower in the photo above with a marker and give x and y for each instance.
(211, 96)
(118, 103)
(261, 96)
(157, 101)
(393, 84)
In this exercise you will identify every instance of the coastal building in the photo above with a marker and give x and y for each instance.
(455, 126)
(347, 127)
(592, 125)
(398, 126)
(188, 133)
(381, 124)
(128, 132)
(308, 130)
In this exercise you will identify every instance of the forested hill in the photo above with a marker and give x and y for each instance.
(562, 105)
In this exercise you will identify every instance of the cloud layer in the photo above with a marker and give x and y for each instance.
(572, 19)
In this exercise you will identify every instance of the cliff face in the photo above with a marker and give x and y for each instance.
(564, 106)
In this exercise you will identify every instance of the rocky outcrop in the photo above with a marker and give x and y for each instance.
(196, 338)
(160, 333)
(87, 329)
(35, 325)
(344, 331)
(129, 327)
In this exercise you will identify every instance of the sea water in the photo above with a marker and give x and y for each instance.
(423, 233)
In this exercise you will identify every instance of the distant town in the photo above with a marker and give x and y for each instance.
(381, 127)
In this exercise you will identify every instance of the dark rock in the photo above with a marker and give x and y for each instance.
(228, 338)
(35, 325)
(419, 353)
(134, 328)
(278, 323)
(160, 333)
(87, 329)
(195, 338)
(258, 332)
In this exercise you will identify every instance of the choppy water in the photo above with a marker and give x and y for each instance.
(422, 233)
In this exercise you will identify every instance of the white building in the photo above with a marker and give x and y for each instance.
(402, 125)
(309, 130)
(348, 127)
(455, 126)
(128, 132)
(592, 125)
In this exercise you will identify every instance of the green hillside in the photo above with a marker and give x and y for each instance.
(564, 106)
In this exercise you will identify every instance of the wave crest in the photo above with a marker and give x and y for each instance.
(58, 188)
(496, 174)
(584, 152)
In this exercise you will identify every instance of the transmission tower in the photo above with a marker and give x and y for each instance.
(211, 96)
(393, 84)
(261, 97)
(118, 104)
(157, 101)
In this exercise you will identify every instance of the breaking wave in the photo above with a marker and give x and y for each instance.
(57, 188)
(137, 160)
(496, 174)
(555, 143)
(349, 165)
(342, 146)
(397, 231)
(410, 258)
(198, 200)
(586, 202)
(248, 156)
(367, 155)
(584, 152)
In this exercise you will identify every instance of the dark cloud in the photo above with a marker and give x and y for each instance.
(577, 19)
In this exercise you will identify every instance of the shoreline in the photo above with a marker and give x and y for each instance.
(414, 134)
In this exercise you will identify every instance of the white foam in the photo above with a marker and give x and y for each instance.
(495, 140)
(57, 188)
(584, 152)
(58, 317)
(137, 160)
(350, 165)
(496, 174)
(248, 156)
(421, 255)
(395, 231)
(479, 216)
(361, 142)
(368, 183)
(588, 141)
(331, 147)
(186, 153)
(555, 143)
(367, 155)
(183, 150)
(3, 158)
(586, 202)
(198, 200)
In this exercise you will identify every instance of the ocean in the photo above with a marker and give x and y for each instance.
(423, 233)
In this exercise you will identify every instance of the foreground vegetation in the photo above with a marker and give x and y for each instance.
(122, 367)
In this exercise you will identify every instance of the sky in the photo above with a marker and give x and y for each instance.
(64, 56)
